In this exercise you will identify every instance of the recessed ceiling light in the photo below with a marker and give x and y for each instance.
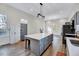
(23, 21)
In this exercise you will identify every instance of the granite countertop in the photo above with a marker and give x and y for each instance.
(37, 36)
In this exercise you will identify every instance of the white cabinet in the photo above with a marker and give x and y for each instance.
(14, 33)
(4, 39)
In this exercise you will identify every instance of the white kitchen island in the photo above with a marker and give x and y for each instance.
(39, 42)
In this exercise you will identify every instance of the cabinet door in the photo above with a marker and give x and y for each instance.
(48, 40)
(41, 45)
(77, 20)
(51, 37)
(46, 43)
(4, 41)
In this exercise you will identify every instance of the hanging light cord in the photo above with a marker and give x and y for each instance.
(40, 14)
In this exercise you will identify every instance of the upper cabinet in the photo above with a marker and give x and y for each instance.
(76, 18)
(76, 21)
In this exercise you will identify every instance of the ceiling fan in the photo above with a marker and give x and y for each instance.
(40, 13)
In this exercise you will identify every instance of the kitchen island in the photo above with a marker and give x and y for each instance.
(39, 42)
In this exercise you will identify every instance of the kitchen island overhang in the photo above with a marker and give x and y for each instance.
(39, 42)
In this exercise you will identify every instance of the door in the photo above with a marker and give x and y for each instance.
(23, 31)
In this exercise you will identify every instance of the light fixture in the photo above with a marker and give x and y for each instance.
(40, 15)
(24, 21)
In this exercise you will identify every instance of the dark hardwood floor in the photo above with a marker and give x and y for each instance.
(18, 49)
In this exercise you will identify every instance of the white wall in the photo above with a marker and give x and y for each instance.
(56, 25)
(14, 17)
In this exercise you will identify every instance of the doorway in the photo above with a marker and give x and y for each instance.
(23, 31)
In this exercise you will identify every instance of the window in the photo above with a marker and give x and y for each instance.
(3, 24)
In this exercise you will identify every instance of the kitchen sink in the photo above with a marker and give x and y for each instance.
(74, 42)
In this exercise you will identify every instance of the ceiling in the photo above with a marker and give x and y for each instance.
(49, 10)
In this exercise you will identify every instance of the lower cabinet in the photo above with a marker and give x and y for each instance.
(39, 46)
(4, 40)
(44, 43)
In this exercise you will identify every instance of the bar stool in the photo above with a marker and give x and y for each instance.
(27, 44)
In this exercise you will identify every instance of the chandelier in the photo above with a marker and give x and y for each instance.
(40, 15)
